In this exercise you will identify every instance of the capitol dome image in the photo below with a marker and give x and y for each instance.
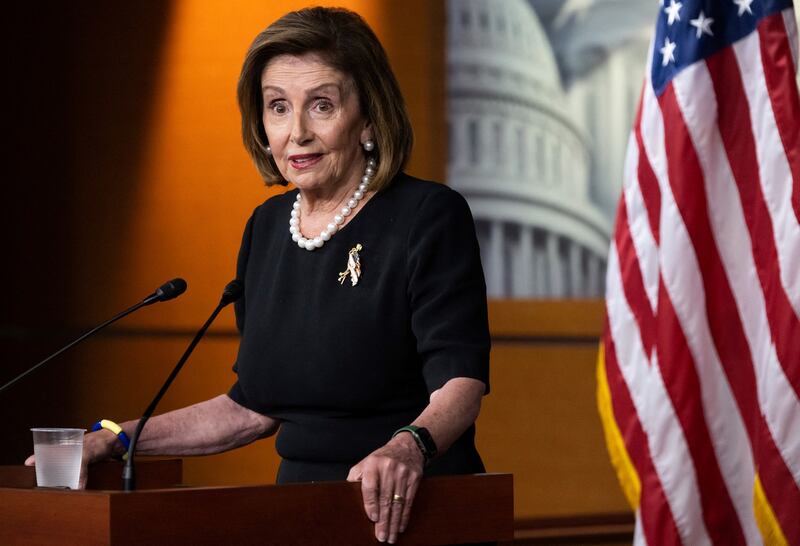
(519, 157)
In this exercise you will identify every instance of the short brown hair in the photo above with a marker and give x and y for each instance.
(343, 40)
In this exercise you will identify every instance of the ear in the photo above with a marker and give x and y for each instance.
(366, 133)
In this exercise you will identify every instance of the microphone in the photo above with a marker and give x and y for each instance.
(166, 291)
(231, 293)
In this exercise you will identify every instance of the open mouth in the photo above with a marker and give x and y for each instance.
(304, 161)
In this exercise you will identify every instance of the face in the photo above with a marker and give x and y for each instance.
(313, 122)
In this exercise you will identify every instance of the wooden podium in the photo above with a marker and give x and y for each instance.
(447, 510)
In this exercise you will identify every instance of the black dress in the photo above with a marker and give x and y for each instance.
(344, 366)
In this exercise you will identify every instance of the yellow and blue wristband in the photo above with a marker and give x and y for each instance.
(116, 429)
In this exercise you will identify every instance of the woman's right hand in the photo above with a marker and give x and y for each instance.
(97, 446)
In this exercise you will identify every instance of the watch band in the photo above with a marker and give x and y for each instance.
(423, 439)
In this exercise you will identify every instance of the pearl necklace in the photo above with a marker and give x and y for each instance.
(338, 220)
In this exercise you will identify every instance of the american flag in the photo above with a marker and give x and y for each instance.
(699, 371)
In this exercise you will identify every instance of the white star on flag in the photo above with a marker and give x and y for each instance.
(744, 6)
(673, 11)
(702, 24)
(668, 52)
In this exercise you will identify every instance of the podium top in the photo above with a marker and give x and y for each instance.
(447, 510)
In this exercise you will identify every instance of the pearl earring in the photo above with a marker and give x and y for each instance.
(369, 145)
(269, 150)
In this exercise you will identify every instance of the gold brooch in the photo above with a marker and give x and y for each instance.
(353, 266)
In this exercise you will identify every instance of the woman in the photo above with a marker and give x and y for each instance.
(364, 330)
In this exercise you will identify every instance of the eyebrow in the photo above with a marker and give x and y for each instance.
(311, 91)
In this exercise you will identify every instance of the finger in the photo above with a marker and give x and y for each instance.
(369, 493)
(83, 476)
(386, 490)
(411, 493)
(398, 505)
(30, 461)
(355, 474)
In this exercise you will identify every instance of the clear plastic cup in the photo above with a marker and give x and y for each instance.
(58, 453)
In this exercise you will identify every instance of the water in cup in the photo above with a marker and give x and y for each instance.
(58, 454)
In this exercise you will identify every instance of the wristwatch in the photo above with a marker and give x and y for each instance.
(423, 439)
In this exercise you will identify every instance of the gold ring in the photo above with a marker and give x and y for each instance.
(399, 499)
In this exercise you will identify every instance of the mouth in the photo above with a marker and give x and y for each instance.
(303, 161)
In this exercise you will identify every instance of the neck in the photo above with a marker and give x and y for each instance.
(315, 223)
(325, 202)
(329, 199)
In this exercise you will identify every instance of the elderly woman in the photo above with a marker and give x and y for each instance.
(364, 339)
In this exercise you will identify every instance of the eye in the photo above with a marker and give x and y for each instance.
(323, 105)
(278, 107)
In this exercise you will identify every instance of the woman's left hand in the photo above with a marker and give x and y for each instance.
(389, 479)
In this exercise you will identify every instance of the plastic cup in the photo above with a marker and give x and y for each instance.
(58, 454)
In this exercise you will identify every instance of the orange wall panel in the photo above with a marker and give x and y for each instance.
(540, 423)
(195, 185)
(191, 191)
(132, 149)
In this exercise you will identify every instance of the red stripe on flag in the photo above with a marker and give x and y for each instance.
(683, 385)
(658, 522)
(740, 145)
(686, 180)
(776, 58)
(648, 183)
(779, 485)
(632, 281)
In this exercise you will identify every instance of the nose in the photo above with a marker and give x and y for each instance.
(301, 133)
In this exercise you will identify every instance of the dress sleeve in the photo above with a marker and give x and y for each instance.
(241, 273)
(447, 291)
(235, 393)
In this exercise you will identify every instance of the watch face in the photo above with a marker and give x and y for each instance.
(427, 440)
(423, 439)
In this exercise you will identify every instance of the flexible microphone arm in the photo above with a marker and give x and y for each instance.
(232, 292)
(166, 291)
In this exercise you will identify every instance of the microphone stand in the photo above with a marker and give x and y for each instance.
(159, 295)
(231, 293)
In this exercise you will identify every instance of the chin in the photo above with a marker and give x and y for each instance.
(311, 181)
(318, 176)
